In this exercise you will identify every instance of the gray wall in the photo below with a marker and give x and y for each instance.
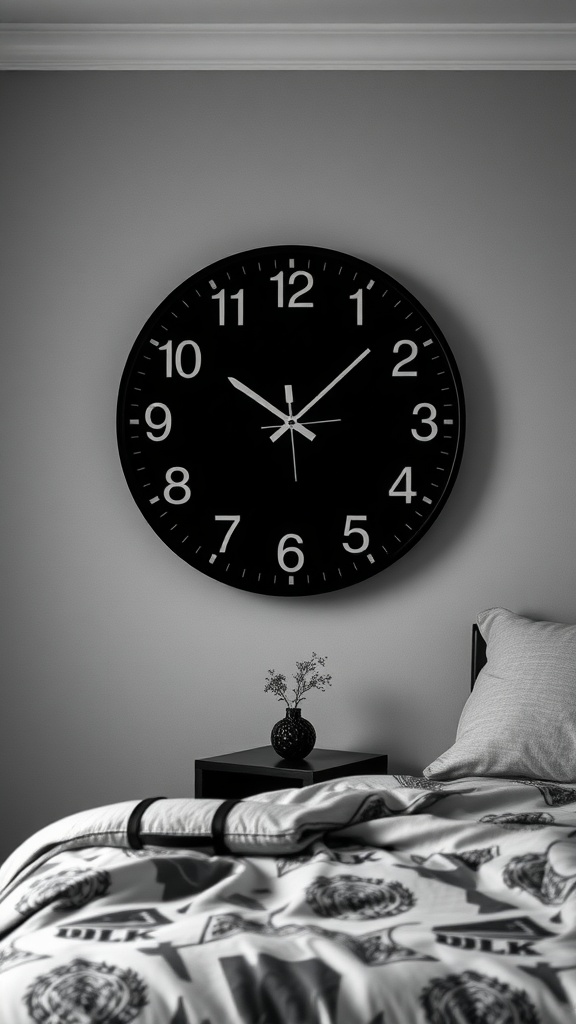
(120, 664)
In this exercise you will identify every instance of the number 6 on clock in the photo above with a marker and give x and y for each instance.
(283, 550)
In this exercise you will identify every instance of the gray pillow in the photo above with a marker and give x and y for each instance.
(520, 719)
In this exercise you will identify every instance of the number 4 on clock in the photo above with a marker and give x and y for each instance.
(407, 493)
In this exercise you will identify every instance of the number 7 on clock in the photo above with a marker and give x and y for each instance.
(234, 520)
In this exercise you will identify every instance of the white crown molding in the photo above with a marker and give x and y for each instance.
(323, 47)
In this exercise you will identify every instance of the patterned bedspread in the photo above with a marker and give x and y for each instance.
(367, 900)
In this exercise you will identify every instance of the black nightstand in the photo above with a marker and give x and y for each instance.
(259, 770)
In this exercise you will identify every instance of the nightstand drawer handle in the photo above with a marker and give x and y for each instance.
(133, 826)
(218, 822)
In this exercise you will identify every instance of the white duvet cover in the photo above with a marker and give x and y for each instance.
(366, 900)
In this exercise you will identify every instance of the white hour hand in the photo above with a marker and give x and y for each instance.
(287, 420)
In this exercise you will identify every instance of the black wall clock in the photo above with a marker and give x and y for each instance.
(290, 420)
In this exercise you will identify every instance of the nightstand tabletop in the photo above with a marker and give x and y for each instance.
(225, 773)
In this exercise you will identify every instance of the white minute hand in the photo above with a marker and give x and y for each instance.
(278, 433)
(288, 420)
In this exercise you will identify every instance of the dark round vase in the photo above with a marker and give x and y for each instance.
(293, 737)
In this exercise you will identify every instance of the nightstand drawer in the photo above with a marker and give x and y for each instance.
(246, 772)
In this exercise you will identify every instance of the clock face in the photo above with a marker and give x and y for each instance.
(290, 420)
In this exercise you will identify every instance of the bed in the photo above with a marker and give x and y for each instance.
(445, 898)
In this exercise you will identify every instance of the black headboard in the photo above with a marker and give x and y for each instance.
(478, 653)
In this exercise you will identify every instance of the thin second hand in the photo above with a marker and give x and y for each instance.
(274, 426)
(293, 454)
(338, 420)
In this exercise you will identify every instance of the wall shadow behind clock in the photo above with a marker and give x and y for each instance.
(290, 420)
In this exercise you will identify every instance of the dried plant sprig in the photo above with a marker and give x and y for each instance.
(307, 677)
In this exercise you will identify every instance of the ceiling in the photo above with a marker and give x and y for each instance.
(286, 11)
(287, 34)
(275, 11)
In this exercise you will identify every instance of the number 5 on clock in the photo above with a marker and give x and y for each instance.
(349, 529)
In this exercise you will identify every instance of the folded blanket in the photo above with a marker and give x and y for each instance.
(282, 821)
